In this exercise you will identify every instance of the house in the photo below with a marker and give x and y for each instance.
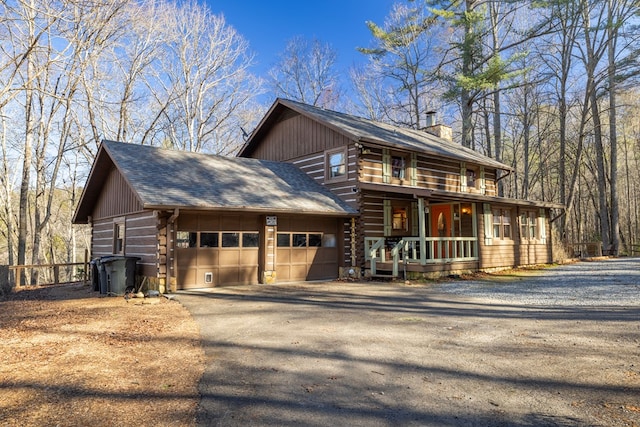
(313, 194)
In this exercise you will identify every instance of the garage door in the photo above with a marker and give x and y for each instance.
(207, 259)
(306, 249)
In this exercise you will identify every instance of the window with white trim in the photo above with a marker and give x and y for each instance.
(501, 224)
(336, 164)
(118, 237)
(528, 226)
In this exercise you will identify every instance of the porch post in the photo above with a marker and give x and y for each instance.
(422, 230)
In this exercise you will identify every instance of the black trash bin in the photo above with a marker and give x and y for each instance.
(103, 285)
(95, 274)
(120, 272)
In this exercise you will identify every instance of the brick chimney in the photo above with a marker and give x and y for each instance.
(439, 130)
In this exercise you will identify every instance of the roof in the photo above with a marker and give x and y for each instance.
(369, 131)
(167, 179)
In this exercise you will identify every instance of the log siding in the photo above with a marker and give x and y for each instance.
(432, 173)
(141, 239)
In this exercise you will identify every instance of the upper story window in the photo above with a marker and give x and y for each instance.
(501, 224)
(336, 164)
(471, 178)
(398, 167)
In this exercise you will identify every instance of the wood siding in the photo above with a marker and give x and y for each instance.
(314, 165)
(141, 240)
(512, 252)
(116, 198)
(296, 136)
(432, 173)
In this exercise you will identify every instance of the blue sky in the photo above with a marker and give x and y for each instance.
(269, 24)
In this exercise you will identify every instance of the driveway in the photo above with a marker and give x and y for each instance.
(554, 347)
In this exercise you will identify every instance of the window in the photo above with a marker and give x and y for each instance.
(303, 240)
(329, 240)
(118, 238)
(315, 240)
(399, 219)
(336, 161)
(398, 167)
(284, 240)
(528, 228)
(186, 239)
(208, 240)
(230, 240)
(501, 224)
(250, 240)
(299, 240)
(471, 178)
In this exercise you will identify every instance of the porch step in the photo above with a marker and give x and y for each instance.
(383, 276)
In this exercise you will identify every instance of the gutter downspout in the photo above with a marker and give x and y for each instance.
(171, 259)
(509, 172)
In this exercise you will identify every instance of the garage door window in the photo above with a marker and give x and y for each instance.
(230, 240)
(208, 240)
(250, 240)
(315, 240)
(186, 239)
(304, 240)
(299, 240)
(329, 240)
(284, 240)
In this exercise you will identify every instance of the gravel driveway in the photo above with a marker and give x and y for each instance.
(558, 347)
(613, 282)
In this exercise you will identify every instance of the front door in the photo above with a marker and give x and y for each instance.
(441, 227)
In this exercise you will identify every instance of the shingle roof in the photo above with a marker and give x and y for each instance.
(164, 178)
(365, 130)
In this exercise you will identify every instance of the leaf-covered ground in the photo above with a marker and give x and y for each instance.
(69, 357)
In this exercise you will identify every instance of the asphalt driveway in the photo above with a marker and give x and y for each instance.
(558, 347)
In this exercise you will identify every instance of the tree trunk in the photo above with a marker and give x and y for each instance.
(613, 137)
(23, 211)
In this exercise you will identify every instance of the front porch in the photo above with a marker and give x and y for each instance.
(442, 255)
(443, 239)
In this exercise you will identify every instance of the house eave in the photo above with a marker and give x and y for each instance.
(245, 209)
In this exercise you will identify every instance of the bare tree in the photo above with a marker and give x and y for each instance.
(306, 71)
(207, 72)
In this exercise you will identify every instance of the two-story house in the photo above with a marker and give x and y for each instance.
(313, 194)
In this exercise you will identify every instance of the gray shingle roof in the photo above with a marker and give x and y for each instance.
(164, 178)
(365, 130)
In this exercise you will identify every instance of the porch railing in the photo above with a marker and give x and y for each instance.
(408, 250)
(374, 251)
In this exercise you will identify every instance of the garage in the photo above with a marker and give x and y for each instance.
(307, 248)
(217, 250)
(201, 221)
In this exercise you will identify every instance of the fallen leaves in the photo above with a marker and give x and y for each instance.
(71, 357)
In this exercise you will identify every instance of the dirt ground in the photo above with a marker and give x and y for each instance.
(69, 357)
